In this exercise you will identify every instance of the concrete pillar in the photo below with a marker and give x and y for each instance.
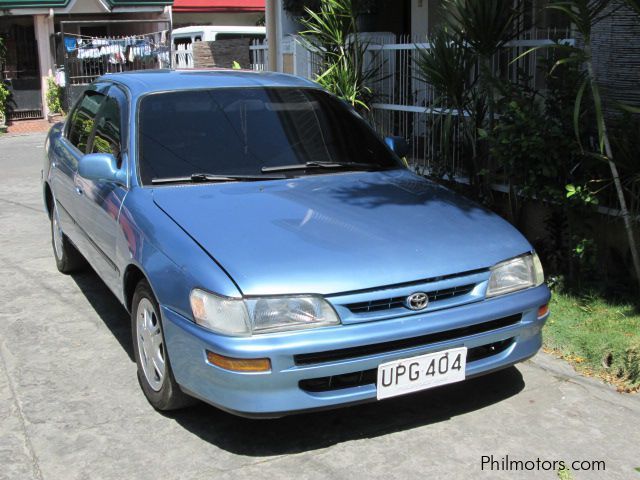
(43, 25)
(419, 24)
(273, 32)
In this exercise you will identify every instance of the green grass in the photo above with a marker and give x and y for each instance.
(597, 336)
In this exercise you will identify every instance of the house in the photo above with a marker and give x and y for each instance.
(212, 21)
(218, 12)
(401, 21)
(40, 36)
(408, 107)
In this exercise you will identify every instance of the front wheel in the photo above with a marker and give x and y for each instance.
(154, 369)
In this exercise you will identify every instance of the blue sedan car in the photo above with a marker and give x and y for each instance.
(274, 253)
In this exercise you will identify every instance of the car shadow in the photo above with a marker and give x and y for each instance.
(311, 431)
(107, 306)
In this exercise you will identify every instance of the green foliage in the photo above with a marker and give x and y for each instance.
(597, 335)
(346, 79)
(4, 96)
(635, 5)
(486, 25)
(584, 14)
(458, 65)
(331, 33)
(447, 65)
(54, 96)
(328, 30)
(4, 91)
(582, 194)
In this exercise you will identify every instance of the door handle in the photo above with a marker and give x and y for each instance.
(78, 190)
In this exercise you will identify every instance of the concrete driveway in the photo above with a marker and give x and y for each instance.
(70, 406)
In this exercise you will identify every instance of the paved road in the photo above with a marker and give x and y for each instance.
(70, 406)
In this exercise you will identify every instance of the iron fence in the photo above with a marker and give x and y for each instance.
(405, 105)
(88, 57)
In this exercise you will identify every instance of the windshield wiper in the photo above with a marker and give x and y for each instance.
(309, 165)
(209, 177)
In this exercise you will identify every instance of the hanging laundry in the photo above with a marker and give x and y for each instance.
(70, 44)
(61, 79)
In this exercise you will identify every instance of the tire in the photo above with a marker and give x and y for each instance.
(154, 369)
(68, 259)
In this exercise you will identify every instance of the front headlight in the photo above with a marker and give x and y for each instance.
(243, 317)
(515, 274)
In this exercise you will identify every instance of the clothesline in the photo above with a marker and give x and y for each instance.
(126, 49)
(66, 34)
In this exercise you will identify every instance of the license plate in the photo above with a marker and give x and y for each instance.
(419, 373)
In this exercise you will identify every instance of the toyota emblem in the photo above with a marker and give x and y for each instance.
(417, 301)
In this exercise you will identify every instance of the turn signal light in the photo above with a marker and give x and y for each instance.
(543, 310)
(239, 364)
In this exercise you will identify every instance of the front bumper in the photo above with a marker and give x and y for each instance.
(279, 392)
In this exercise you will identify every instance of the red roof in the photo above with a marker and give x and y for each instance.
(201, 6)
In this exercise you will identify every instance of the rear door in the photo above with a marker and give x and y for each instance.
(66, 154)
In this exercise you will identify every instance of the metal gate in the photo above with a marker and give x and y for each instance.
(88, 57)
(19, 70)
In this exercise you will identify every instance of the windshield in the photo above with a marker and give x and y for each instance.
(244, 131)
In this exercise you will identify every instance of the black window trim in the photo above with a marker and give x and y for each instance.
(100, 115)
(67, 126)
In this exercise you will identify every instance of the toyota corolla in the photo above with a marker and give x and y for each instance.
(274, 253)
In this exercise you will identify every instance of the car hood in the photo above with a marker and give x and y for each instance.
(340, 232)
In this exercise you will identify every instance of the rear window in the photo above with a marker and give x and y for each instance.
(237, 131)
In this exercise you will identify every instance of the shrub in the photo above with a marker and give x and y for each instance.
(54, 96)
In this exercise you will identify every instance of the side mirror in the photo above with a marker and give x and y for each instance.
(101, 166)
(398, 144)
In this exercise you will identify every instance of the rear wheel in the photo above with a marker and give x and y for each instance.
(68, 259)
(154, 369)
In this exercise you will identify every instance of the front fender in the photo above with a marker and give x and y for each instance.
(172, 262)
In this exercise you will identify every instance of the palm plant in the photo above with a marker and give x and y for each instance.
(486, 26)
(584, 14)
(447, 65)
(458, 63)
(331, 33)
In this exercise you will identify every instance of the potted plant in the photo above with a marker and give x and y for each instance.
(4, 95)
(54, 101)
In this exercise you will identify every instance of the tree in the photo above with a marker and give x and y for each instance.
(584, 14)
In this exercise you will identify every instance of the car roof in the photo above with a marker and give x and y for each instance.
(148, 81)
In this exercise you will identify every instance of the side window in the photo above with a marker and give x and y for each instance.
(107, 135)
(83, 119)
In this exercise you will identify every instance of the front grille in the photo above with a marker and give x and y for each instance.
(376, 348)
(398, 302)
(368, 377)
